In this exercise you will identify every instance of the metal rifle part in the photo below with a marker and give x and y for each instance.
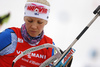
(97, 12)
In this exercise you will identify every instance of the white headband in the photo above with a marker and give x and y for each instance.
(33, 9)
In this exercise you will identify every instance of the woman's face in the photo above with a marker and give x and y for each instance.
(34, 25)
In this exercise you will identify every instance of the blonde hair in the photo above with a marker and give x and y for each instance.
(45, 2)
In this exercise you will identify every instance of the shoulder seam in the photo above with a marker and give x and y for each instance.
(5, 47)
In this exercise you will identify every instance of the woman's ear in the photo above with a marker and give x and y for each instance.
(46, 22)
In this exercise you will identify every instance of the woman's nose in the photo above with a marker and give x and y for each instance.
(34, 25)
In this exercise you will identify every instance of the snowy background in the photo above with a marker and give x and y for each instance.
(67, 20)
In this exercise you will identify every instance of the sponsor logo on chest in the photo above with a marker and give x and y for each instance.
(30, 55)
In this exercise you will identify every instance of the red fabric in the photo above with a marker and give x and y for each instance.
(33, 59)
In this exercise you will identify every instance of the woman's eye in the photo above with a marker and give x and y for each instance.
(40, 22)
(30, 21)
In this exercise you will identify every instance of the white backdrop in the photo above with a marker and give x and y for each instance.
(67, 20)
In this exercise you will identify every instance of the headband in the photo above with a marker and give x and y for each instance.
(33, 9)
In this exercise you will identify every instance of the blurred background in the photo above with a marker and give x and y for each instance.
(67, 19)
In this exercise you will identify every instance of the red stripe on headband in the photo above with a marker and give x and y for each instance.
(37, 8)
